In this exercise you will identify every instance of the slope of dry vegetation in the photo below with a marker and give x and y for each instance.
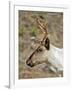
(28, 30)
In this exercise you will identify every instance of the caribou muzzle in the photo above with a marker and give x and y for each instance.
(30, 63)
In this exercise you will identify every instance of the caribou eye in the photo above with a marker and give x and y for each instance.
(40, 50)
(47, 44)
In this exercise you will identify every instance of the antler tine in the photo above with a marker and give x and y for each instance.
(42, 26)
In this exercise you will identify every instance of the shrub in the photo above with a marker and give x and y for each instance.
(21, 31)
(34, 31)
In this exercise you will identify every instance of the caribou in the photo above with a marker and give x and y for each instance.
(46, 52)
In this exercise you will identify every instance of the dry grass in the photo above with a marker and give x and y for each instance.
(27, 29)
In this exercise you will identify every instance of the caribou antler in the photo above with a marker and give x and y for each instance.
(43, 28)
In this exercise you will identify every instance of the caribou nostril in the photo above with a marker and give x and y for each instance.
(30, 63)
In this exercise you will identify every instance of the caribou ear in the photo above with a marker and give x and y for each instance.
(47, 44)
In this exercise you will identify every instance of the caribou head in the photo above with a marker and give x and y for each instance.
(46, 52)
